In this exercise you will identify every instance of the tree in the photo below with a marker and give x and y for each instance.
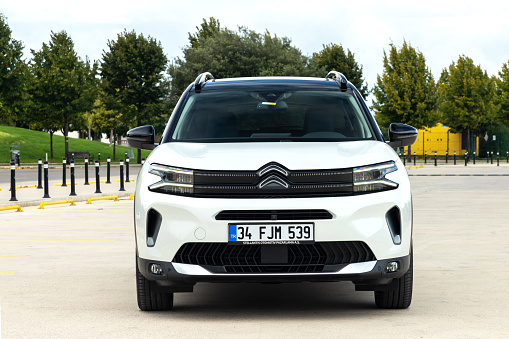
(466, 97)
(208, 29)
(64, 85)
(226, 53)
(406, 91)
(104, 120)
(13, 78)
(334, 58)
(131, 76)
(503, 94)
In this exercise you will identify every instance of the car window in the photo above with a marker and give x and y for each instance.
(248, 116)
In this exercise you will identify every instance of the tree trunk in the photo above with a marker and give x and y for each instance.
(139, 149)
(66, 133)
(468, 141)
(114, 143)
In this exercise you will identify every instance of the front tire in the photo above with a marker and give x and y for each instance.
(148, 298)
(401, 297)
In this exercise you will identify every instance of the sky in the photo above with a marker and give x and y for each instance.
(441, 30)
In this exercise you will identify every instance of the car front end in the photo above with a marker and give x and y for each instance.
(273, 180)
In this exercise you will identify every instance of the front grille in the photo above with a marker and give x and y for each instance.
(274, 215)
(273, 181)
(303, 258)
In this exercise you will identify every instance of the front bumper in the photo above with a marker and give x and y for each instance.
(371, 275)
(185, 220)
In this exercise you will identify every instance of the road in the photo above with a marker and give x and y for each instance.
(68, 271)
(30, 176)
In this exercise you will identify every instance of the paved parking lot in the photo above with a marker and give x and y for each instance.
(68, 271)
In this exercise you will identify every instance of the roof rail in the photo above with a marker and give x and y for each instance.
(340, 79)
(201, 79)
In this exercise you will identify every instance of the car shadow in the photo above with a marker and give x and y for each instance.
(220, 301)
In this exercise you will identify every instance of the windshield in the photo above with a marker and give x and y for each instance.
(254, 116)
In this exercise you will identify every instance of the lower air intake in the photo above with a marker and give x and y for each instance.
(303, 258)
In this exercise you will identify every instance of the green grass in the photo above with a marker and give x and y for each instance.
(35, 144)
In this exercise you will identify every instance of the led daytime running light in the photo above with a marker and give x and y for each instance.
(372, 178)
(173, 179)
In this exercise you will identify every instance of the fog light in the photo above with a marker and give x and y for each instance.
(392, 267)
(156, 269)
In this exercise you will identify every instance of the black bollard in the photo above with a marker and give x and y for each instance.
(466, 158)
(507, 155)
(46, 181)
(121, 175)
(86, 171)
(474, 157)
(97, 179)
(435, 158)
(425, 154)
(99, 158)
(13, 181)
(492, 157)
(39, 174)
(487, 157)
(446, 157)
(64, 169)
(498, 159)
(414, 158)
(108, 170)
(455, 157)
(127, 169)
(404, 159)
(73, 189)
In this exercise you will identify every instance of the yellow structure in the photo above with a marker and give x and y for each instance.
(439, 139)
(109, 197)
(58, 202)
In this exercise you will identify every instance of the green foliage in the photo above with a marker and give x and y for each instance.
(14, 78)
(132, 79)
(466, 97)
(406, 91)
(334, 58)
(64, 86)
(131, 75)
(103, 119)
(35, 144)
(503, 94)
(226, 53)
(207, 30)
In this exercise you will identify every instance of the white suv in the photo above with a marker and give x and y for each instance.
(273, 179)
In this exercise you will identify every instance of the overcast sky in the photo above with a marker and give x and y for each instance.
(441, 30)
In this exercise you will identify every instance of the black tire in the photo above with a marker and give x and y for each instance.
(148, 298)
(401, 297)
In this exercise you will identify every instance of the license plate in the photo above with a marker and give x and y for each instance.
(291, 233)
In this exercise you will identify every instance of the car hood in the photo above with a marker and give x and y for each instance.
(252, 156)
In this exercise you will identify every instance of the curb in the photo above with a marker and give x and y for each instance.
(82, 198)
(413, 167)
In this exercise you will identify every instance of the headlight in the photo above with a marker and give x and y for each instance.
(173, 180)
(372, 178)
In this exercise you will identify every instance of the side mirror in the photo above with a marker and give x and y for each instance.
(142, 137)
(401, 135)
